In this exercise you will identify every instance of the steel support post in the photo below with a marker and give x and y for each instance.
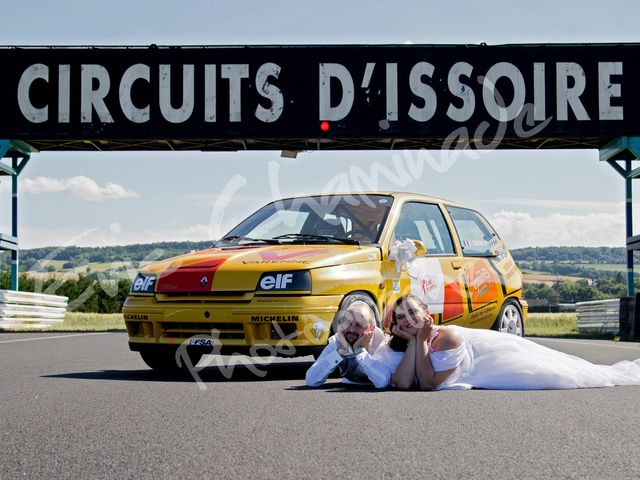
(14, 226)
(625, 149)
(19, 152)
(629, 227)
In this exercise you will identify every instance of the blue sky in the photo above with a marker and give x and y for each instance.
(533, 198)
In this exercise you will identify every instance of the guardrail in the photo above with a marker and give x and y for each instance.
(33, 310)
(599, 316)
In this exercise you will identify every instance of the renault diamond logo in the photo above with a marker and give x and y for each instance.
(203, 281)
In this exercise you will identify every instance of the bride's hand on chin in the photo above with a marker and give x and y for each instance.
(424, 333)
(397, 330)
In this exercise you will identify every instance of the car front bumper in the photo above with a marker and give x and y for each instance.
(280, 325)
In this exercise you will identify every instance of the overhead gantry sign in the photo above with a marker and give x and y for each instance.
(319, 97)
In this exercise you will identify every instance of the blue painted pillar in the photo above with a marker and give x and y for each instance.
(14, 225)
(629, 221)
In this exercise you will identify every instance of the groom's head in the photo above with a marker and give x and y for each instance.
(357, 320)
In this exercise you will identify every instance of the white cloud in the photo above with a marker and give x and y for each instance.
(520, 229)
(554, 203)
(81, 187)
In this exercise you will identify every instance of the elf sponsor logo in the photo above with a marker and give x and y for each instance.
(274, 318)
(295, 281)
(281, 281)
(143, 283)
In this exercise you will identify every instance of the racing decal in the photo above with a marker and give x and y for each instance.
(201, 341)
(273, 257)
(483, 285)
(496, 247)
(319, 327)
(427, 282)
(143, 283)
(500, 276)
(483, 313)
(453, 306)
(274, 318)
(197, 277)
(297, 280)
(509, 276)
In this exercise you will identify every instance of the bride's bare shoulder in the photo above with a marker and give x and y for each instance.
(447, 339)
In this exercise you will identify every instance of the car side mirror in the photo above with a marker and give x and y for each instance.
(421, 250)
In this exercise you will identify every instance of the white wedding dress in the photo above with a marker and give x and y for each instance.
(494, 360)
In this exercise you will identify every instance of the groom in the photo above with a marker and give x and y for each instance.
(356, 349)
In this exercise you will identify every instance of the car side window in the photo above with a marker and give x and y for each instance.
(424, 222)
(475, 234)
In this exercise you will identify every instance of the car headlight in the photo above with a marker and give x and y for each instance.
(144, 283)
(284, 281)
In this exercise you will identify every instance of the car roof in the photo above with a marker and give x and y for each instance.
(403, 196)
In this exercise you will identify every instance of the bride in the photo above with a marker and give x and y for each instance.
(434, 357)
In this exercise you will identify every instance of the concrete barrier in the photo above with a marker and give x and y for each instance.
(33, 310)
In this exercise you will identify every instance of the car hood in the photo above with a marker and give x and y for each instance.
(240, 268)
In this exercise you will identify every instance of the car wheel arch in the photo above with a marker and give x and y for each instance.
(507, 314)
(358, 295)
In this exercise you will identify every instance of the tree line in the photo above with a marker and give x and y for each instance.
(38, 259)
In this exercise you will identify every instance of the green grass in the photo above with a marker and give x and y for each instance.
(559, 325)
(551, 324)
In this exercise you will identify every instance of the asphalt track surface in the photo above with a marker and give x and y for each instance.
(84, 406)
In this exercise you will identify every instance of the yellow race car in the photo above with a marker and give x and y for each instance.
(275, 283)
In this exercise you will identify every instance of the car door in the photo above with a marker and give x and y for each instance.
(483, 281)
(434, 277)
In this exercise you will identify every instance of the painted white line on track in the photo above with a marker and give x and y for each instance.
(586, 342)
(49, 338)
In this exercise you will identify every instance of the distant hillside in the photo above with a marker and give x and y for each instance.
(586, 262)
(39, 259)
(571, 254)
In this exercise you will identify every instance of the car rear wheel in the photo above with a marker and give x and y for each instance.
(510, 319)
(165, 362)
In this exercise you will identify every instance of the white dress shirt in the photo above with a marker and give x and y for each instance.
(372, 362)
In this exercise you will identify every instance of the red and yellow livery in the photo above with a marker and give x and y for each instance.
(278, 280)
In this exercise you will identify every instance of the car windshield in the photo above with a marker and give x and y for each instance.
(348, 219)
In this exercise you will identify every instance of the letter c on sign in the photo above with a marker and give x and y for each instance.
(31, 113)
